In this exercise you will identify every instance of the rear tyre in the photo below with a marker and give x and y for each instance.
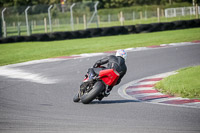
(76, 98)
(97, 89)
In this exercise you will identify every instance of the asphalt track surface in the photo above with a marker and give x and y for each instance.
(30, 107)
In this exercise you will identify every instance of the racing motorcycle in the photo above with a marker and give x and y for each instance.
(96, 87)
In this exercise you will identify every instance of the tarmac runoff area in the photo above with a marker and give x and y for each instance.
(143, 90)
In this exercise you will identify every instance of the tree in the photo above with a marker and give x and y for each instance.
(102, 3)
(7, 3)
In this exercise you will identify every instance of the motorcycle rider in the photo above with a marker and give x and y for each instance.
(116, 62)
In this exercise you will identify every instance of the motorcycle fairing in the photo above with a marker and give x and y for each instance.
(109, 76)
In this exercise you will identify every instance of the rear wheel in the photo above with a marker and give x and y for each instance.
(87, 97)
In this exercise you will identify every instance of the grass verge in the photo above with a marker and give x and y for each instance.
(26, 51)
(185, 84)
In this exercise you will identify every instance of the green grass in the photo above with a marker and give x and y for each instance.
(185, 84)
(20, 52)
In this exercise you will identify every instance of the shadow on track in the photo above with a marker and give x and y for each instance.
(112, 101)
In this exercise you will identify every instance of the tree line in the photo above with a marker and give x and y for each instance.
(102, 3)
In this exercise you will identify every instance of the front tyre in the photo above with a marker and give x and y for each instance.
(76, 98)
(97, 89)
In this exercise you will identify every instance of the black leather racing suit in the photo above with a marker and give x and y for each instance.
(113, 62)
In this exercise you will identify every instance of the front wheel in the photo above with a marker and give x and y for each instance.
(98, 87)
(76, 98)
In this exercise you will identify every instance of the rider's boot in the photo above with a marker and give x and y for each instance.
(100, 97)
(107, 92)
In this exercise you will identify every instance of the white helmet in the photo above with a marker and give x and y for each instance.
(121, 53)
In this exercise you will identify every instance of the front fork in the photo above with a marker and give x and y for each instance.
(107, 91)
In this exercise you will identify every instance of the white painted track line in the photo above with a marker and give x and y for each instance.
(23, 75)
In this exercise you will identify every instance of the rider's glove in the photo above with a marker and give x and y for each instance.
(95, 65)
